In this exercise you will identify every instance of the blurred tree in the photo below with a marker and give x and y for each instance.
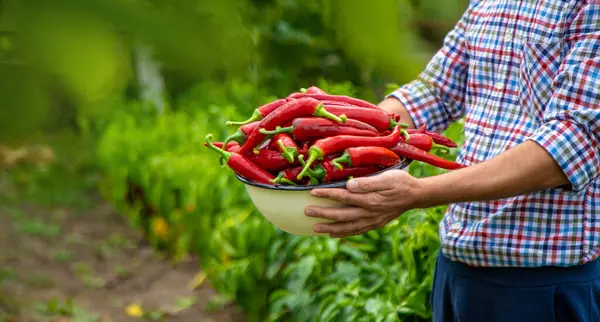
(84, 49)
(71, 57)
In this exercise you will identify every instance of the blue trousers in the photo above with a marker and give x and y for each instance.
(464, 293)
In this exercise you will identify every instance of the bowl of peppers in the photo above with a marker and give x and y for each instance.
(312, 139)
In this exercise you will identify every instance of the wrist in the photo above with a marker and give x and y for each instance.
(429, 192)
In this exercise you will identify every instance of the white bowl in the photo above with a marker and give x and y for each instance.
(284, 206)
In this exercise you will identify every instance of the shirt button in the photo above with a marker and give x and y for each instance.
(500, 86)
(507, 37)
(487, 131)
(456, 226)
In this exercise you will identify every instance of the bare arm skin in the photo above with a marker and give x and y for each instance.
(377, 200)
(393, 105)
(524, 169)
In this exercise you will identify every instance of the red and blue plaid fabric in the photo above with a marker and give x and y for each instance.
(520, 70)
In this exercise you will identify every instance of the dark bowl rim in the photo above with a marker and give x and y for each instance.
(339, 184)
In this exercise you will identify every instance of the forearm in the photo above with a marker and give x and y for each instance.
(524, 169)
(392, 105)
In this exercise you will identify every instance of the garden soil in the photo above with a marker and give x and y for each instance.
(49, 257)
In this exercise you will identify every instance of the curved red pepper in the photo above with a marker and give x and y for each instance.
(379, 119)
(326, 172)
(313, 90)
(289, 176)
(436, 137)
(287, 113)
(313, 128)
(366, 155)
(261, 112)
(338, 98)
(231, 146)
(408, 151)
(242, 133)
(270, 160)
(286, 145)
(334, 144)
(424, 142)
(241, 165)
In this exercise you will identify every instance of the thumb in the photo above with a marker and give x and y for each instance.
(367, 184)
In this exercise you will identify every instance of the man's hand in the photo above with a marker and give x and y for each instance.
(374, 201)
(377, 200)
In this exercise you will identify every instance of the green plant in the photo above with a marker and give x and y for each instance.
(159, 173)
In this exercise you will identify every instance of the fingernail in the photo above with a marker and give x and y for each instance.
(352, 184)
(318, 228)
(309, 212)
(315, 193)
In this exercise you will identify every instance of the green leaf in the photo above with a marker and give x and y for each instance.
(373, 306)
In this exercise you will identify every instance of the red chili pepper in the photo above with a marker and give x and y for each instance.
(261, 112)
(379, 119)
(241, 165)
(289, 176)
(313, 90)
(366, 155)
(313, 128)
(339, 98)
(408, 151)
(242, 133)
(337, 103)
(270, 160)
(267, 159)
(293, 109)
(424, 142)
(286, 145)
(327, 172)
(334, 144)
(231, 146)
(436, 137)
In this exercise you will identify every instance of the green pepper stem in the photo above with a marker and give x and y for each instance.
(303, 90)
(444, 149)
(406, 134)
(238, 137)
(289, 153)
(224, 154)
(287, 181)
(277, 179)
(320, 111)
(393, 124)
(344, 158)
(256, 116)
(277, 130)
(282, 179)
(314, 154)
(315, 176)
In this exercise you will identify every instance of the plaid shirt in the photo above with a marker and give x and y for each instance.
(520, 70)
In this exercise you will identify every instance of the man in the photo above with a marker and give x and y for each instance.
(522, 232)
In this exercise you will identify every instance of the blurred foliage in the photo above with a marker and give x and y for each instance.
(65, 59)
(70, 63)
(169, 185)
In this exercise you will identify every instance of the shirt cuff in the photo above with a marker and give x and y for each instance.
(572, 149)
(422, 104)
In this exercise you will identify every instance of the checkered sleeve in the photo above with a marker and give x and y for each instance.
(571, 129)
(436, 97)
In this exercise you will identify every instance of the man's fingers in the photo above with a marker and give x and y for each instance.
(343, 196)
(360, 232)
(344, 228)
(371, 184)
(337, 214)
